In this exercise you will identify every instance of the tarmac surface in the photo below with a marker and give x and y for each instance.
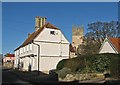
(8, 78)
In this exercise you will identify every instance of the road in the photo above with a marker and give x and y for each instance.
(8, 77)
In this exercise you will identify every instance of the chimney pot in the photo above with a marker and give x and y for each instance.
(40, 21)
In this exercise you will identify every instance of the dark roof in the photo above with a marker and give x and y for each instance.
(32, 36)
(9, 55)
(116, 43)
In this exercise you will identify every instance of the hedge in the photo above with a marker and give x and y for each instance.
(98, 63)
(61, 64)
(115, 66)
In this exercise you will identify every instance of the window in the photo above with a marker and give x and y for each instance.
(27, 47)
(8, 60)
(21, 50)
(18, 52)
(52, 32)
(16, 61)
(15, 53)
(30, 46)
(24, 49)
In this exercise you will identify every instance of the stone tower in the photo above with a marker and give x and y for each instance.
(77, 36)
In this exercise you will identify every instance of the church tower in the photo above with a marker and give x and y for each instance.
(77, 36)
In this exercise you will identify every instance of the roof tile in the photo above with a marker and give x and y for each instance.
(116, 43)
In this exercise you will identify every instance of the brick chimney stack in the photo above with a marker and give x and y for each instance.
(39, 22)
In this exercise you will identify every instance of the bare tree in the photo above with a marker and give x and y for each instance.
(96, 34)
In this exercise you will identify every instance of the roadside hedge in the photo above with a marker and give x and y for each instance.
(97, 63)
(115, 67)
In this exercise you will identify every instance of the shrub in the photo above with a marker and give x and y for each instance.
(60, 65)
(115, 67)
(93, 63)
(101, 63)
(74, 64)
(63, 72)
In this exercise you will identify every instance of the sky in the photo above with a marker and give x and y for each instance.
(60, 0)
(18, 19)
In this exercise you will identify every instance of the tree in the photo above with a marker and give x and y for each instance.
(96, 34)
(88, 47)
(98, 30)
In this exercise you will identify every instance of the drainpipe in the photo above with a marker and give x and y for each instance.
(38, 54)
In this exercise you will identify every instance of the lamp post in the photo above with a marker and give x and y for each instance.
(38, 54)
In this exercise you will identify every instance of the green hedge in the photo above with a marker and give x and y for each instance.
(61, 64)
(115, 66)
(74, 64)
(93, 63)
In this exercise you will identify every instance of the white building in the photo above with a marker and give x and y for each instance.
(43, 49)
(110, 45)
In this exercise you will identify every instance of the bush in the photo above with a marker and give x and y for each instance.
(101, 63)
(60, 65)
(115, 67)
(74, 64)
(63, 72)
(93, 63)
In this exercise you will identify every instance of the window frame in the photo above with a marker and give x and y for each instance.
(52, 32)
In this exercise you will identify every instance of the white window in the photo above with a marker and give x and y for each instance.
(21, 50)
(24, 50)
(27, 47)
(16, 61)
(18, 52)
(15, 53)
(30, 46)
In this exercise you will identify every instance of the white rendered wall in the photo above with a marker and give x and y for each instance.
(49, 63)
(46, 36)
(107, 48)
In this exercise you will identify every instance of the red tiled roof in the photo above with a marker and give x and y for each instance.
(116, 43)
(9, 55)
(72, 49)
(36, 33)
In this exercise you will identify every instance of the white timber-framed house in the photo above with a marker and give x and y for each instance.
(43, 49)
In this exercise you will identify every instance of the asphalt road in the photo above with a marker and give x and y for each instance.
(8, 78)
